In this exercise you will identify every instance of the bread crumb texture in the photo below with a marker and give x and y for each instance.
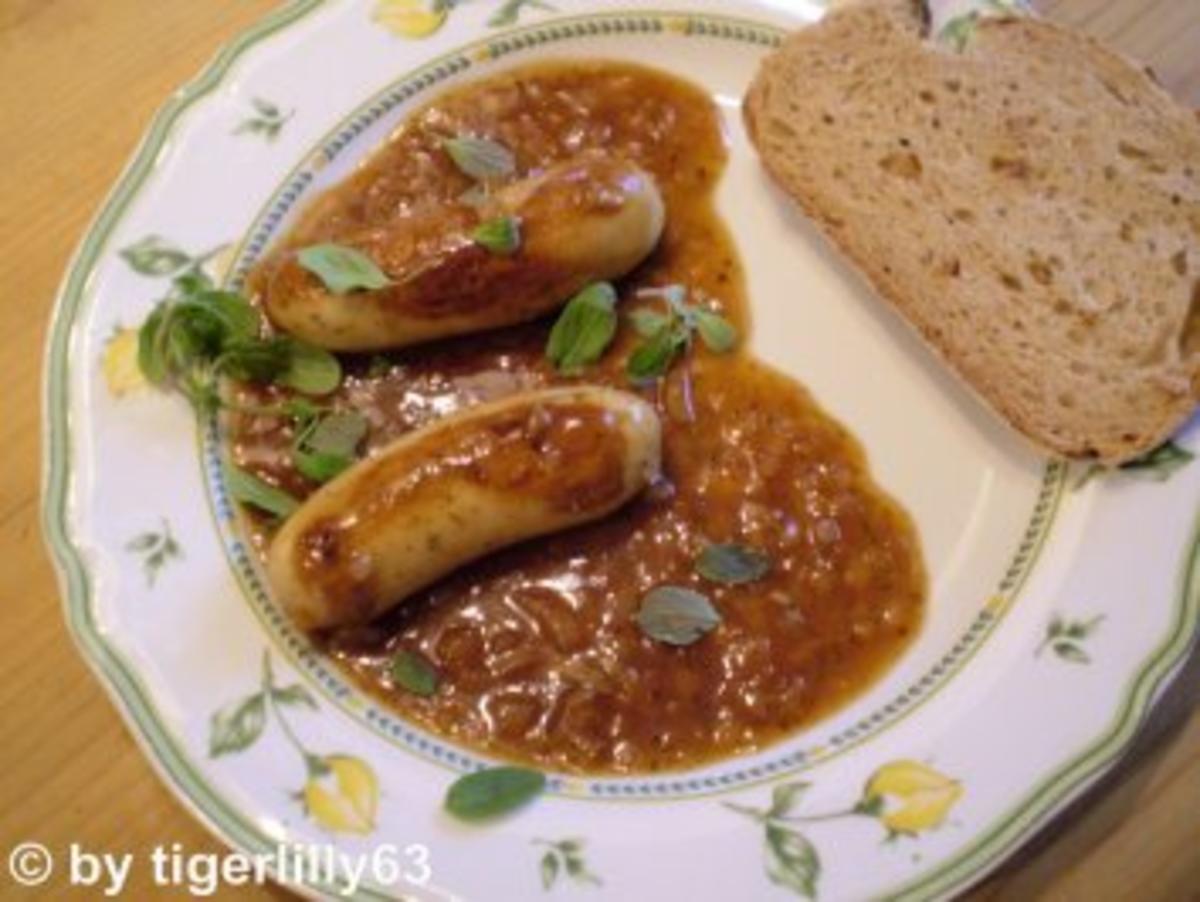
(1031, 205)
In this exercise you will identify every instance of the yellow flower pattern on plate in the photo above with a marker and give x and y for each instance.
(120, 363)
(411, 18)
(342, 794)
(422, 18)
(905, 796)
(914, 797)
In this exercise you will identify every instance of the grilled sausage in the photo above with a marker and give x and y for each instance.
(439, 497)
(586, 220)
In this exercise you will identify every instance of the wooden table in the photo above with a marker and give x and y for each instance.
(79, 80)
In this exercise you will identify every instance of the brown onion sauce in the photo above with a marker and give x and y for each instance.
(539, 655)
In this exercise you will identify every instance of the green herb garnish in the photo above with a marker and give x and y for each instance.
(412, 672)
(197, 334)
(715, 331)
(475, 196)
(676, 615)
(302, 410)
(497, 790)
(342, 269)
(255, 360)
(732, 564)
(152, 358)
(670, 333)
(250, 489)
(501, 236)
(327, 445)
(480, 158)
(310, 370)
(651, 359)
(584, 329)
(647, 323)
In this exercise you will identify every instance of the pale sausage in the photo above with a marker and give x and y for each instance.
(451, 492)
(590, 219)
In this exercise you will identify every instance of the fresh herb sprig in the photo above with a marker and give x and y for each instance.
(256, 492)
(676, 615)
(669, 333)
(481, 159)
(493, 791)
(732, 564)
(485, 162)
(342, 269)
(326, 442)
(584, 329)
(413, 672)
(501, 236)
(199, 334)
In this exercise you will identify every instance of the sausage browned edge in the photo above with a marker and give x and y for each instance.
(589, 219)
(449, 493)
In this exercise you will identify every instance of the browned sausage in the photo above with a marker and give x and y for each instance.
(587, 220)
(441, 496)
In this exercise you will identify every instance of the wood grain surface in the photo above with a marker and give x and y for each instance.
(79, 81)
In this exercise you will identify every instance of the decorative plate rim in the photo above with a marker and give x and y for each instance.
(69, 552)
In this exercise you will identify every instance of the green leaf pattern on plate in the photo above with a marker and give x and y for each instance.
(564, 858)
(792, 861)
(267, 120)
(954, 21)
(958, 31)
(1157, 465)
(509, 12)
(416, 19)
(154, 256)
(237, 726)
(340, 793)
(156, 548)
(906, 797)
(1066, 637)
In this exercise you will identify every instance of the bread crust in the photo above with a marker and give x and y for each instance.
(1031, 207)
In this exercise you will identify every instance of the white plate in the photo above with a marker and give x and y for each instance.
(987, 726)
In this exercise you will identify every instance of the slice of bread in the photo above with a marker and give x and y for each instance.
(1030, 205)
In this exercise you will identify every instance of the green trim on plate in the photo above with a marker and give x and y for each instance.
(1072, 778)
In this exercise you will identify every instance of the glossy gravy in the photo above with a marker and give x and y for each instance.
(538, 652)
